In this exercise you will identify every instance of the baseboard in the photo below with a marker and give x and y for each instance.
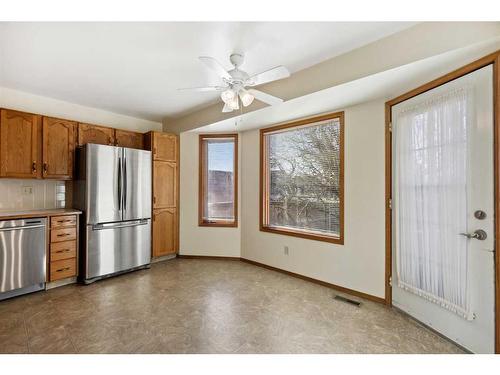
(319, 282)
(213, 257)
(58, 283)
(163, 258)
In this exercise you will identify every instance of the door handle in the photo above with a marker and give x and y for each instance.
(125, 183)
(119, 183)
(134, 223)
(478, 235)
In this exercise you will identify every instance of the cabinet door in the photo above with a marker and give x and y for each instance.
(129, 139)
(58, 148)
(164, 146)
(100, 135)
(20, 144)
(164, 232)
(164, 184)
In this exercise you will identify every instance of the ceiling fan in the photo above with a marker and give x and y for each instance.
(237, 82)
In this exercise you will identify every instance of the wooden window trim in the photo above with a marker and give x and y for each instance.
(264, 179)
(202, 187)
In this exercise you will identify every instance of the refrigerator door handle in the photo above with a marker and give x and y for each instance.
(119, 183)
(125, 182)
(120, 225)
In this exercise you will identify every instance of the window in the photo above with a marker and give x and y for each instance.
(302, 178)
(218, 195)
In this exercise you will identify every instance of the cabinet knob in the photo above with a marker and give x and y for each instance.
(45, 167)
(33, 167)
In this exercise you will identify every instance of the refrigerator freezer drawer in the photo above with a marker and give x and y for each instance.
(117, 247)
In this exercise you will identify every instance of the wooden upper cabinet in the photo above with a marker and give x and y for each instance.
(58, 148)
(101, 135)
(125, 138)
(164, 184)
(165, 230)
(164, 146)
(20, 144)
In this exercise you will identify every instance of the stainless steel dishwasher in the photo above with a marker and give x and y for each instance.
(22, 256)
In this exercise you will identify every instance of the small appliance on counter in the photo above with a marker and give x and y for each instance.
(22, 256)
(113, 189)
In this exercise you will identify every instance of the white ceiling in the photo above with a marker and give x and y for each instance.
(136, 68)
(384, 85)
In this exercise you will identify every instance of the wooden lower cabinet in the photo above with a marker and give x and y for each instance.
(62, 234)
(62, 250)
(165, 229)
(63, 247)
(62, 269)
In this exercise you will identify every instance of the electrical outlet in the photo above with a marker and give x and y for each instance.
(285, 248)
(27, 190)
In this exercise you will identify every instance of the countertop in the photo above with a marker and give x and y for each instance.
(11, 214)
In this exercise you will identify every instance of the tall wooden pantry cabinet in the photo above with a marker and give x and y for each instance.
(164, 148)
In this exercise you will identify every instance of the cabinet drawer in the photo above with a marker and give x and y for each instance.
(62, 234)
(63, 221)
(61, 269)
(62, 250)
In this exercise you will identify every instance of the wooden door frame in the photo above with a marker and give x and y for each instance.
(491, 59)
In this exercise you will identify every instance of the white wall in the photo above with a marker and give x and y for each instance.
(359, 263)
(23, 101)
(195, 240)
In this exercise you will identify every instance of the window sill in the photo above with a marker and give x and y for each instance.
(227, 224)
(339, 240)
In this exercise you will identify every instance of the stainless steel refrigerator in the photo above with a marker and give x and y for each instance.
(113, 189)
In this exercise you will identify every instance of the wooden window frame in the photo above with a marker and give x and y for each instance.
(202, 187)
(264, 179)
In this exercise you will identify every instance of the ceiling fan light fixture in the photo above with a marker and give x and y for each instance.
(246, 97)
(226, 108)
(228, 95)
(234, 103)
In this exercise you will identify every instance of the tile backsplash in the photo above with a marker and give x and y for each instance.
(18, 194)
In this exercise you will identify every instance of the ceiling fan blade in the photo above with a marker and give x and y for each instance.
(208, 88)
(266, 98)
(226, 108)
(278, 72)
(215, 66)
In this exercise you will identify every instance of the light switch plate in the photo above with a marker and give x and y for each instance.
(27, 190)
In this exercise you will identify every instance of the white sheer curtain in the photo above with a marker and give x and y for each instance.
(431, 151)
